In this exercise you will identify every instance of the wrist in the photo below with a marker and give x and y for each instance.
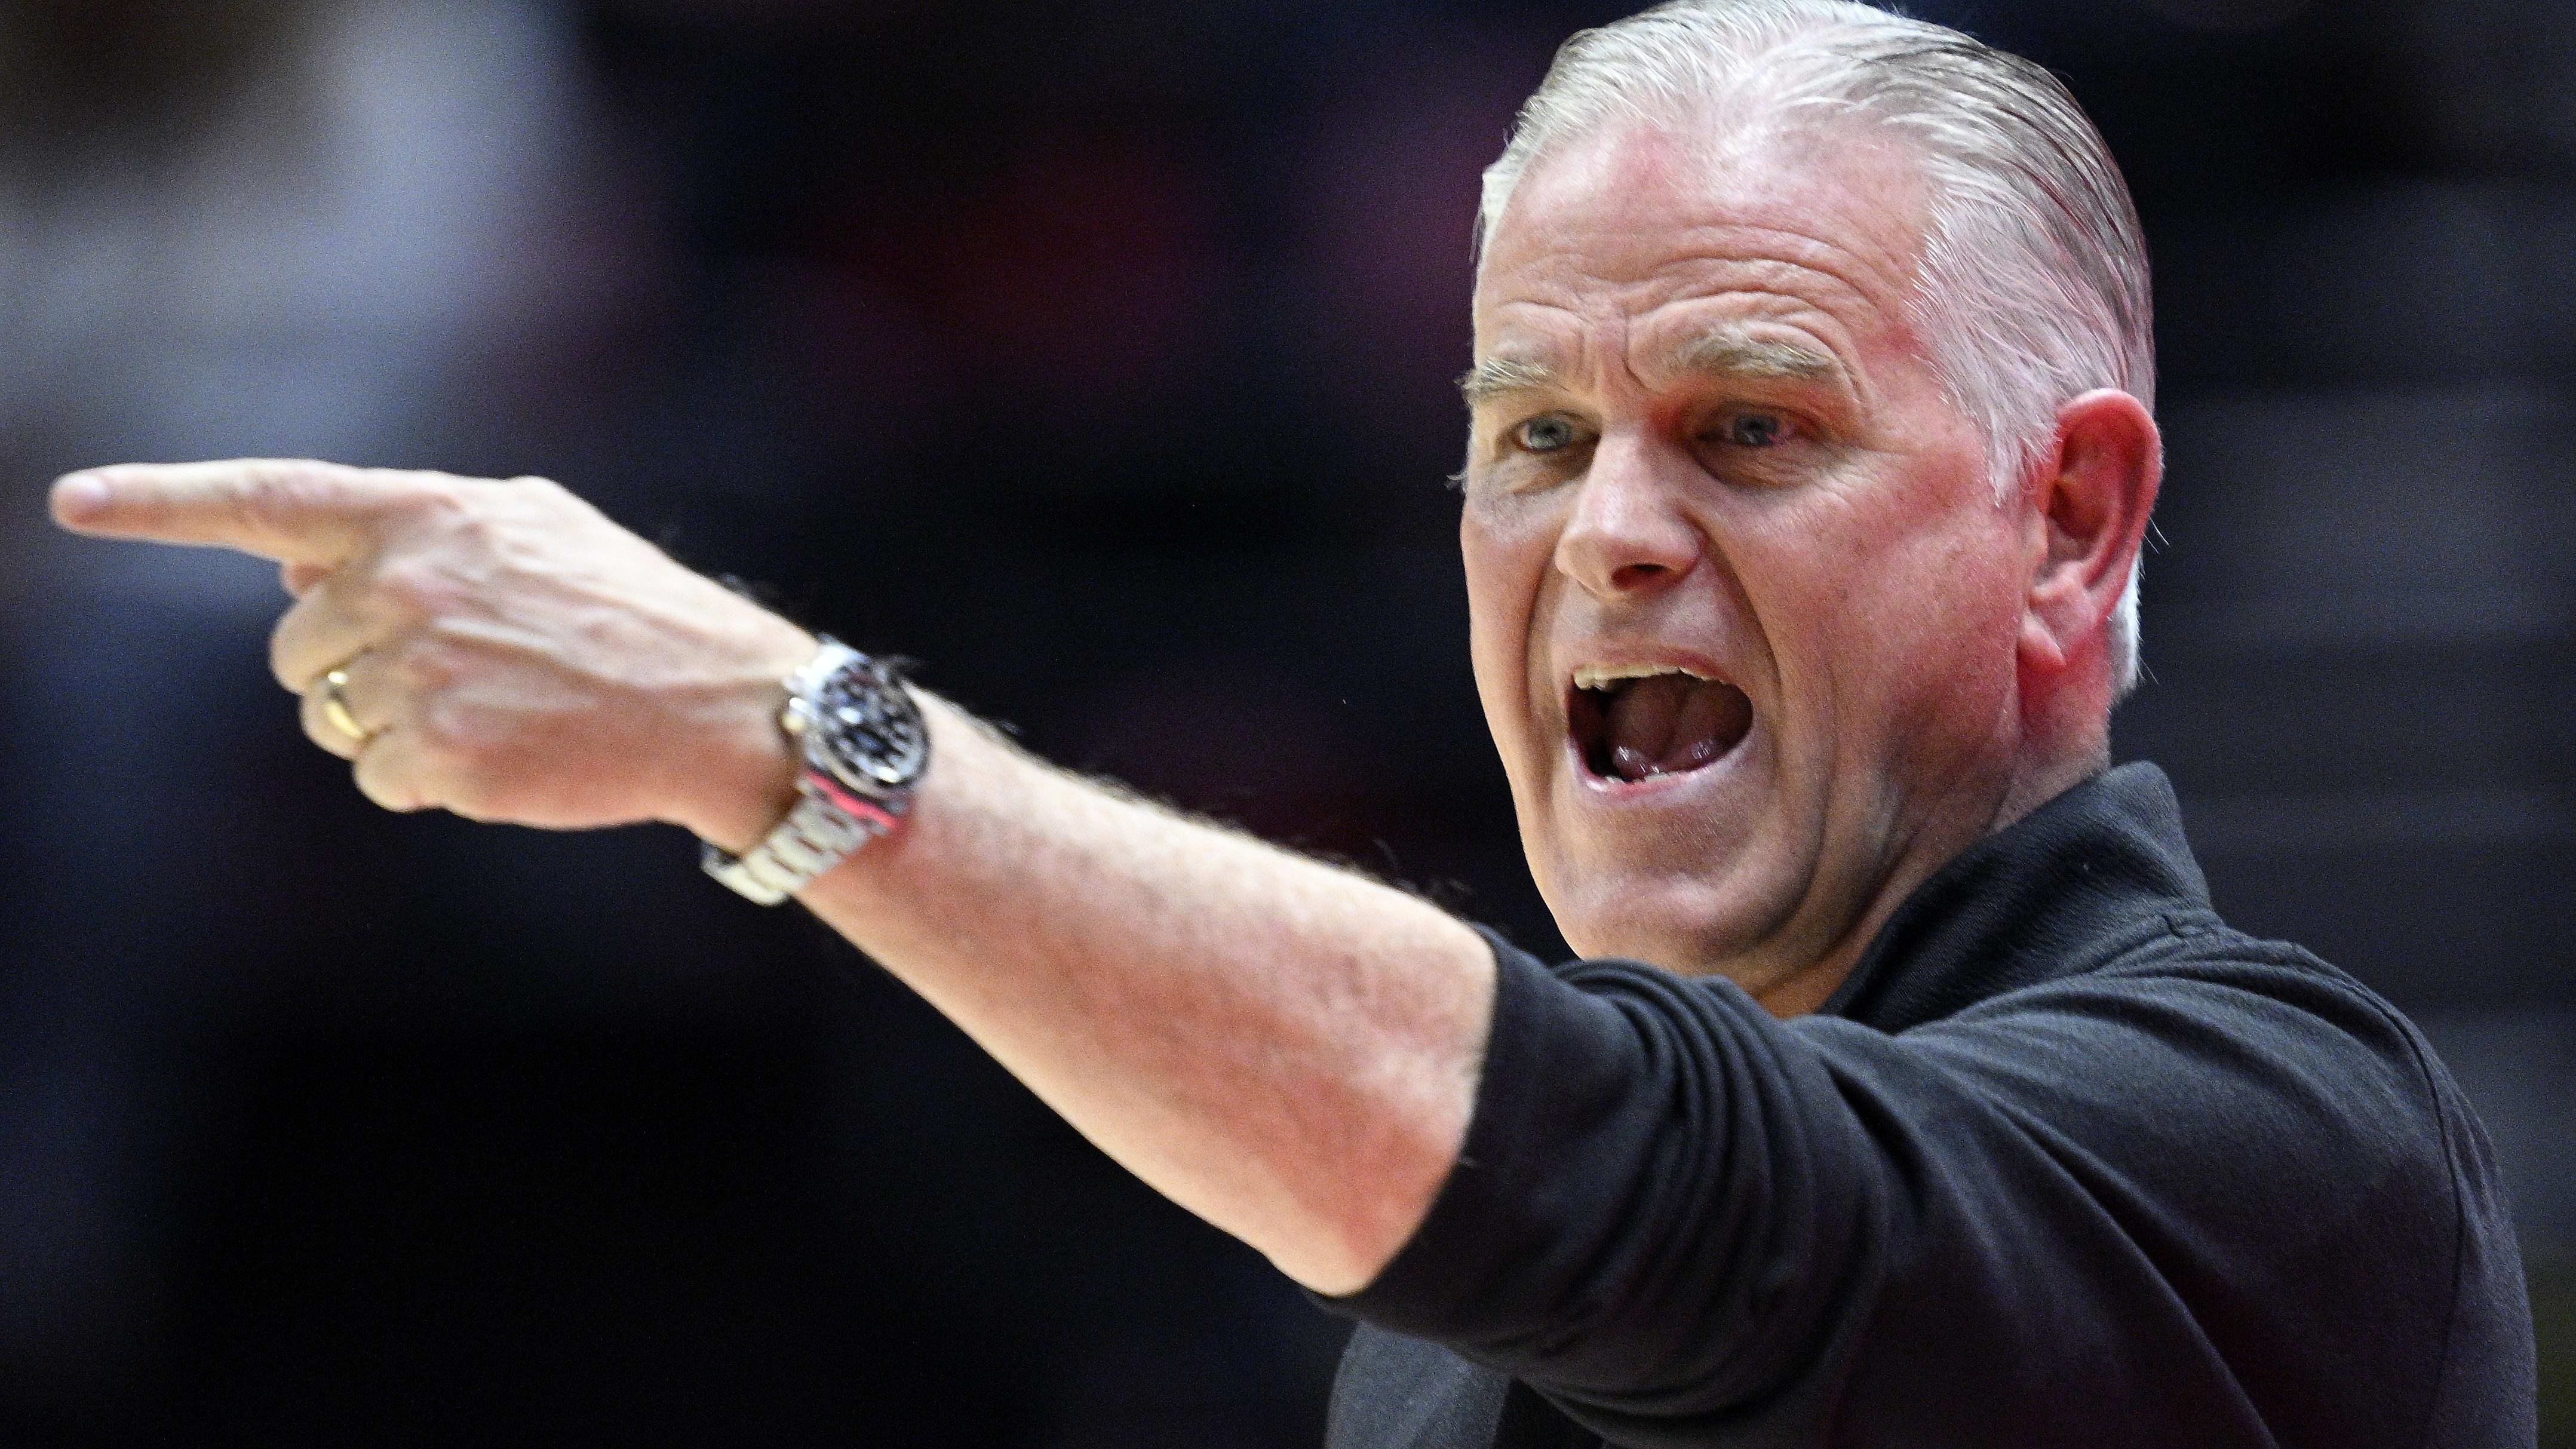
(755, 790)
(857, 746)
(741, 779)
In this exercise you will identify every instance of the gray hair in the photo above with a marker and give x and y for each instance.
(2034, 270)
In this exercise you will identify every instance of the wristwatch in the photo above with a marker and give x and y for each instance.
(863, 748)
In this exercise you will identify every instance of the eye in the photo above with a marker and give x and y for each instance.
(1547, 434)
(1756, 430)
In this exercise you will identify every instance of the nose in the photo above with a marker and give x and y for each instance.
(1627, 535)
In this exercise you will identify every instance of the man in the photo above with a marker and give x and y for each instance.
(1810, 457)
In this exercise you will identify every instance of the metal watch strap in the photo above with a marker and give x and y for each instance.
(814, 837)
(828, 821)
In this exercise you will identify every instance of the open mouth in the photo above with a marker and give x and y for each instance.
(1634, 722)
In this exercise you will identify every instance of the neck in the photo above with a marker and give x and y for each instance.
(2051, 763)
(2036, 787)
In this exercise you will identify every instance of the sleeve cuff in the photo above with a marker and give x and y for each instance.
(1495, 1211)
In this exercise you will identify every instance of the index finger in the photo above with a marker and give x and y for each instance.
(291, 510)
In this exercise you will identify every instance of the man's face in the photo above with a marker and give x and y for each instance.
(1744, 607)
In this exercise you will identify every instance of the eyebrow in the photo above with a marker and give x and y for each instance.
(1730, 353)
(1497, 377)
(1724, 353)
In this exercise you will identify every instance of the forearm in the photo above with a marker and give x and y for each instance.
(1286, 1049)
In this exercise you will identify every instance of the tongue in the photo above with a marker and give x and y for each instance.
(1672, 723)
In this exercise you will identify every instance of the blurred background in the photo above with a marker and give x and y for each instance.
(1100, 356)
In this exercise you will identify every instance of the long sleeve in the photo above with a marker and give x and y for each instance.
(2128, 1205)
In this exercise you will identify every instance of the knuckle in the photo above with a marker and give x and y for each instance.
(428, 665)
(292, 645)
(413, 586)
(549, 501)
(282, 664)
(479, 762)
(374, 780)
(434, 735)
(392, 794)
(308, 714)
(464, 519)
(483, 535)
(451, 734)
(472, 792)
(425, 501)
(300, 579)
(468, 784)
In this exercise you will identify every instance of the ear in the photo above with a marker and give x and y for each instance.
(2088, 507)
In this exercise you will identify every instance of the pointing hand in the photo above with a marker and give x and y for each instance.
(501, 649)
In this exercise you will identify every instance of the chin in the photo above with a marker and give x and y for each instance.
(1678, 920)
(1691, 873)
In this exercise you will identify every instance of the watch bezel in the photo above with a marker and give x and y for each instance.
(879, 755)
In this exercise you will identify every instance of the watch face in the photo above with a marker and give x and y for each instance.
(865, 730)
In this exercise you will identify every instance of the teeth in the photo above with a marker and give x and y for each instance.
(1602, 676)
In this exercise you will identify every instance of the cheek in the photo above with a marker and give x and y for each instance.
(1506, 551)
(1939, 619)
(1877, 614)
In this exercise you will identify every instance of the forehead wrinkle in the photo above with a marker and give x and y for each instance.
(1771, 273)
(1834, 297)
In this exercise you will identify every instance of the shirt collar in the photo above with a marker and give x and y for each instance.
(2024, 904)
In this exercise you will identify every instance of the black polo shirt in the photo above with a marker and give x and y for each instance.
(2065, 1162)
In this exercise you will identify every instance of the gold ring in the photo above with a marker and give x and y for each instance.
(335, 706)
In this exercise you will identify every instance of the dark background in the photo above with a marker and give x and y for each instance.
(1099, 355)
